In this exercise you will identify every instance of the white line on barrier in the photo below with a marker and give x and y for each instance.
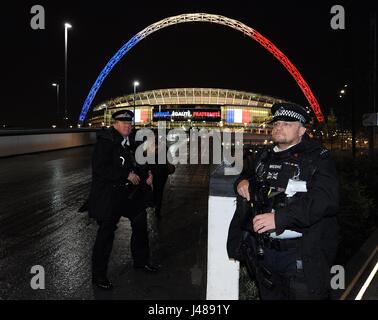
(367, 283)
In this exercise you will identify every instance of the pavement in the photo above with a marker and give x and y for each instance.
(40, 225)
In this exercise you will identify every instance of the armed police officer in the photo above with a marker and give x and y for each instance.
(297, 228)
(115, 177)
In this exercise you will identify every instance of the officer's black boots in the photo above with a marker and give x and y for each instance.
(102, 282)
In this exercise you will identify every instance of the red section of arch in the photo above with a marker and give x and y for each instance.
(293, 71)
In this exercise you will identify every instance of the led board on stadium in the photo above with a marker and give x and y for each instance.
(188, 114)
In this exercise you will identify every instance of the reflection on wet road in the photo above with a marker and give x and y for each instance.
(40, 225)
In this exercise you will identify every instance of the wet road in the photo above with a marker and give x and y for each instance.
(40, 225)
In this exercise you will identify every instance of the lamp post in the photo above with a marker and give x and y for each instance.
(66, 27)
(136, 84)
(105, 112)
(342, 95)
(57, 98)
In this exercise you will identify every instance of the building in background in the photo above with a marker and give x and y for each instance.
(192, 108)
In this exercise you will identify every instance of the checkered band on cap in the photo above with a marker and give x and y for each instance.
(123, 116)
(290, 114)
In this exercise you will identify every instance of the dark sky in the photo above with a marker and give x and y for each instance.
(186, 55)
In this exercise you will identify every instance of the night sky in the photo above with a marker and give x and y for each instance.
(185, 55)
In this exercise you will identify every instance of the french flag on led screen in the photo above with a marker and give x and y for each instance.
(234, 115)
(246, 116)
(141, 116)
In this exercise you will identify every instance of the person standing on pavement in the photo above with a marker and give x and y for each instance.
(115, 177)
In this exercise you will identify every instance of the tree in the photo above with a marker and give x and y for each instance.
(331, 127)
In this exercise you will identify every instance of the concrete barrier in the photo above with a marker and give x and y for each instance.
(222, 272)
(18, 142)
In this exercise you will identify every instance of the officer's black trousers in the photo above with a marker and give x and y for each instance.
(287, 277)
(104, 242)
(158, 193)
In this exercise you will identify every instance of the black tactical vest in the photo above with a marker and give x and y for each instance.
(276, 168)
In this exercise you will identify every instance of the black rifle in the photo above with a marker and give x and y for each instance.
(259, 204)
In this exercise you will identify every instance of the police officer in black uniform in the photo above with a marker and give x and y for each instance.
(299, 229)
(115, 177)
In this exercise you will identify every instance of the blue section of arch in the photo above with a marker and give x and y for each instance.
(104, 73)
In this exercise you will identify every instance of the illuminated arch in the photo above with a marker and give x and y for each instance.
(203, 17)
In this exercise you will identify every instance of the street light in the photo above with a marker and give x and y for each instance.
(349, 97)
(136, 84)
(105, 112)
(66, 27)
(57, 98)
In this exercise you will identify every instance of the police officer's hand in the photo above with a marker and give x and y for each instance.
(133, 178)
(150, 178)
(242, 189)
(264, 222)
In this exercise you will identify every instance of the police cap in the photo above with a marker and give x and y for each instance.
(285, 111)
(123, 115)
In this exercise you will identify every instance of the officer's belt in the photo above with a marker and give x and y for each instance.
(281, 244)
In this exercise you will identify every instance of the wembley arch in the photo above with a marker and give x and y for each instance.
(203, 17)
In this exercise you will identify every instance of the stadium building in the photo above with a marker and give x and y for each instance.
(191, 107)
